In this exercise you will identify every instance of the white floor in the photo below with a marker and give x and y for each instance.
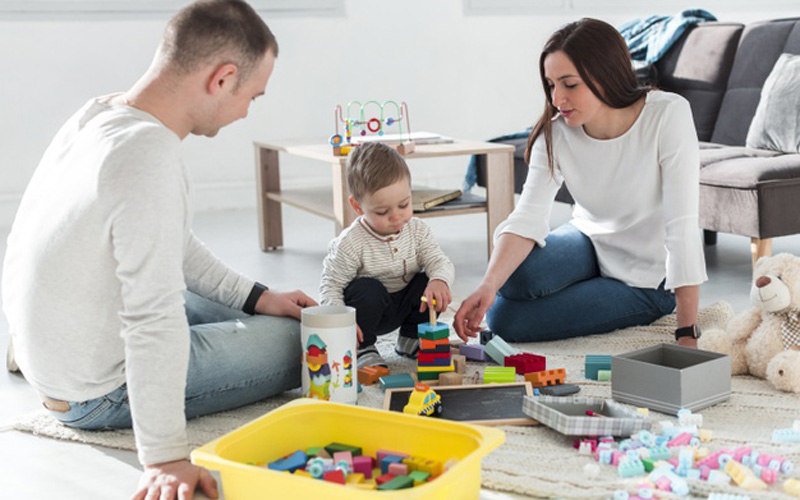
(38, 468)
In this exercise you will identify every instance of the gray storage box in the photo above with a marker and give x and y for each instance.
(568, 416)
(669, 377)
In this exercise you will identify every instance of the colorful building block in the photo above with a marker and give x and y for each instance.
(291, 463)
(419, 477)
(438, 331)
(498, 349)
(388, 460)
(451, 378)
(396, 381)
(335, 476)
(594, 363)
(789, 435)
(382, 479)
(397, 483)
(486, 336)
(440, 346)
(743, 476)
(604, 375)
(499, 375)
(381, 454)
(364, 464)
(548, 377)
(559, 390)
(474, 352)
(334, 447)
(398, 469)
(460, 362)
(526, 362)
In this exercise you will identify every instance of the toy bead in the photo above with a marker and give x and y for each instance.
(335, 140)
(374, 124)
(389, 121)
(363, 132)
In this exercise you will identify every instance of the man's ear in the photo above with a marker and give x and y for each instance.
(223, 78)
(356, 206)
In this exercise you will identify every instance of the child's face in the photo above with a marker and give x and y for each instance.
(388, 209)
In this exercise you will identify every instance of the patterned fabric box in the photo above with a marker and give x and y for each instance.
(568, 416)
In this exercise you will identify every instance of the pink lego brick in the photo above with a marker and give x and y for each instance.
(664, 484)
(526, 362)
(704, 472)
(680, 440)
(616, 456)
(768, 475)
(673, 461)
(343, 456)
(741, 452)
(712, 460)
(398, 469)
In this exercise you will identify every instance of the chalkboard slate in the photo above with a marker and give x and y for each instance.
(487, 404)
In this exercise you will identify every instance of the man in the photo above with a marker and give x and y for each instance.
(101, 255)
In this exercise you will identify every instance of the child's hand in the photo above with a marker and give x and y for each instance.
(439, 291)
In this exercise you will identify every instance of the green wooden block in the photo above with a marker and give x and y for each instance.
(398, 483)
(314, 451)
(428, 375)
(336, 447)
(419, 477)
(437, 332)
(396, 381)
(604, 375)
(499, 375)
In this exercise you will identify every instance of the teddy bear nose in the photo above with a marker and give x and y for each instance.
(763, 281)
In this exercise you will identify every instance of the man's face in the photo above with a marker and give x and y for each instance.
(233, 104)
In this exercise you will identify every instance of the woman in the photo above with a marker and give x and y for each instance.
(629, 155)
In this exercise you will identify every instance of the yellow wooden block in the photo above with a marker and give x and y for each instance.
(355, 477)
(301, 472)
(369, 484)
(424, 369)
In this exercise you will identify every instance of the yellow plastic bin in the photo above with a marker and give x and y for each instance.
(304, 423)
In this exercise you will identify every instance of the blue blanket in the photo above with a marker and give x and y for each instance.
(651, 37)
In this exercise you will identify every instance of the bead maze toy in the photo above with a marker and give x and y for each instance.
(370, 120)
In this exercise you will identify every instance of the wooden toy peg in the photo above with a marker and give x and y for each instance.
(431, 310)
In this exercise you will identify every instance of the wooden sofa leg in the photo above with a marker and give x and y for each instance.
(709, 237)
(760, 248)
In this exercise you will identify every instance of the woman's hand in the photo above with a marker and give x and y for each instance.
(283, 303)
(467, 322)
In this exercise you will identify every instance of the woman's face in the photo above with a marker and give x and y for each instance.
(569, 93)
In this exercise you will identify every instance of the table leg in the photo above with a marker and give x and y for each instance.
(499, 191)
(344, 215)
(268, 180)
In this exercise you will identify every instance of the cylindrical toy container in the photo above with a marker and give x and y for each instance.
(328, 335)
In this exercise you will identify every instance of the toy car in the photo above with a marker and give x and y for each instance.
(423, 401)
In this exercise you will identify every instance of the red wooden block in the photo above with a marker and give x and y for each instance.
(428, 357)
(526, 362)
(384, 478)
(334, 476)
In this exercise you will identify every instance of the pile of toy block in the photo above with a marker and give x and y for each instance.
(347, 465)
(434, 356)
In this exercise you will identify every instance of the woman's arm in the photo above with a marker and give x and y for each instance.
(687, 299)
(508, 254)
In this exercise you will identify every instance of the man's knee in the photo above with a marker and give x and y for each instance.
(366, 292)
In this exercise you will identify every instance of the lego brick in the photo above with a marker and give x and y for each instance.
(397, 483)
(364, 464)
(334, 447)
(545, 378)
(395, 381)
(473, 351)
(398, 469)
(486, 336)
(665, 378)
(526, 362)
(560, 390)
(451, 378)
(498, 349)
(595, 362)
(433, 332)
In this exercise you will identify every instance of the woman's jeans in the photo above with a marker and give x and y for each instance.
(235, 359)
(557, 293)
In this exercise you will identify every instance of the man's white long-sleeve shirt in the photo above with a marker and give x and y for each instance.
(636, 196)
(97, 261)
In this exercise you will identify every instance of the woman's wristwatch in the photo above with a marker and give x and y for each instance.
(692, 331)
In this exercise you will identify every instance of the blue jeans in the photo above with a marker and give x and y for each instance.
(557, 293)
(235, 359)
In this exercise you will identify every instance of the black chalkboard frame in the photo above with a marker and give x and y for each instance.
(498, 392)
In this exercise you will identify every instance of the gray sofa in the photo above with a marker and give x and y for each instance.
(720, 69)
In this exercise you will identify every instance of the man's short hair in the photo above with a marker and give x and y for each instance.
(219, 32)
(374, 166)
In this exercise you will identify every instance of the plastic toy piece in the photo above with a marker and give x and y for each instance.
(473, 351)
(419, 477)
(423, 401)
(786, 436)
(604, 375)
(363, 464)
(382, 479)
(499, 375)
(792, 487)
(544, 378)
(335, 476)
(498, 349)
(559, 390)
(743, 476)
(486, 336)
(630, 467)
(526, 362)
(666, 480)
(705, 435)
(686, 418)
(437, 346)
(399, 469)
(596, 362)
(645, 412)
(396, 381)
(291, 463)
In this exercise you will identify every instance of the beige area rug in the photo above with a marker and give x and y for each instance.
(537, 461)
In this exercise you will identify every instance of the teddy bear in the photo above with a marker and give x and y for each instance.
(764, 341)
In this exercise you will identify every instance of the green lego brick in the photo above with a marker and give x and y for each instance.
(436, 332)
(398, 483)
(396, 381)
(649, 465)
(336, 447)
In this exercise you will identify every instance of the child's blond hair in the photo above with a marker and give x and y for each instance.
(374, 166)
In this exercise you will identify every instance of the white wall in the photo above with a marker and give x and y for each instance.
(467, 76)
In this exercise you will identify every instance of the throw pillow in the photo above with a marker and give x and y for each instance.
(776, 124)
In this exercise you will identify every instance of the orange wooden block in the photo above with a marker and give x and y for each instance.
(429, 345)
(382, 370)
(368, 375)
(547, 377)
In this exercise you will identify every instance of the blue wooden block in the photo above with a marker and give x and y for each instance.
(473, 351)
(296, 460)
(498, 349)
(390, 459)
(595, 363)
(433, 332)
(396, 381)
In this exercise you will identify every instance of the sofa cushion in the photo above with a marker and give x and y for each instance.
(743, 168)
(776, 124)
(760, 46)
(697, 67)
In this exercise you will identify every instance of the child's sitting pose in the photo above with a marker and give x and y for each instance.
(386, 260)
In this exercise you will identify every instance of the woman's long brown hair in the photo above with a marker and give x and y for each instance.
(601, 57)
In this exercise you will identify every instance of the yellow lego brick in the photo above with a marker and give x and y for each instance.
(701, 453)
(426, 369)
(744, 477)
(645, 412)
(792, 487)
(706, 436)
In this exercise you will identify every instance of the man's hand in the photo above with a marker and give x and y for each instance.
(439, 291)
(172, 480)
(283, 303)
(467, 322)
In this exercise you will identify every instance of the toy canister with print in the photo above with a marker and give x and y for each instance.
(328, 336)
